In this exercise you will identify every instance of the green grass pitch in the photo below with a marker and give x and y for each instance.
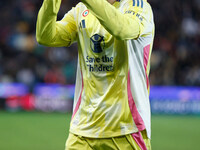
(49, 131)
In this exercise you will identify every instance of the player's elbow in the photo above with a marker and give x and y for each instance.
(43, 37)
(40, 40)
(127, 33)
(130, 30)
(117, 34)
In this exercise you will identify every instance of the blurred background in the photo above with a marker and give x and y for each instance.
(37, 82)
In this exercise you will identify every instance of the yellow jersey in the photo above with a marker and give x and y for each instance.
(114, 47)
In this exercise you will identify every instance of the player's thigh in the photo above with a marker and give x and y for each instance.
(139, 141)
(123, 143)
(75, 142)
(115, 143)
(147, 141)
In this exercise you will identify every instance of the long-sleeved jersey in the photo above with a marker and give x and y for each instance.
(114, 48)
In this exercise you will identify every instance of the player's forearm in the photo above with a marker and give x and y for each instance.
(119, 25)
(47, 30)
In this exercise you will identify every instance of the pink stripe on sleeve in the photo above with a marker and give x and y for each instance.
(135, 114)
(146, 60)
(79, 100)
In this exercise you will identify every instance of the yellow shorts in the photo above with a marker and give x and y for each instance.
(136, 141)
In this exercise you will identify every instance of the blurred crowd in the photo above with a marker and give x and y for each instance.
(22, 59)
(175, 59)
(176, 53)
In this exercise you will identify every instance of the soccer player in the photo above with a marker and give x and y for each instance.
(111, 103)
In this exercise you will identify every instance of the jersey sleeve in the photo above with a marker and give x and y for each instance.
(123, 26)
(49, 31)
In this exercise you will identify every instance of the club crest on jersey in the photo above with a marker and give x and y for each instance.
(85, 13)
(97, 43)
